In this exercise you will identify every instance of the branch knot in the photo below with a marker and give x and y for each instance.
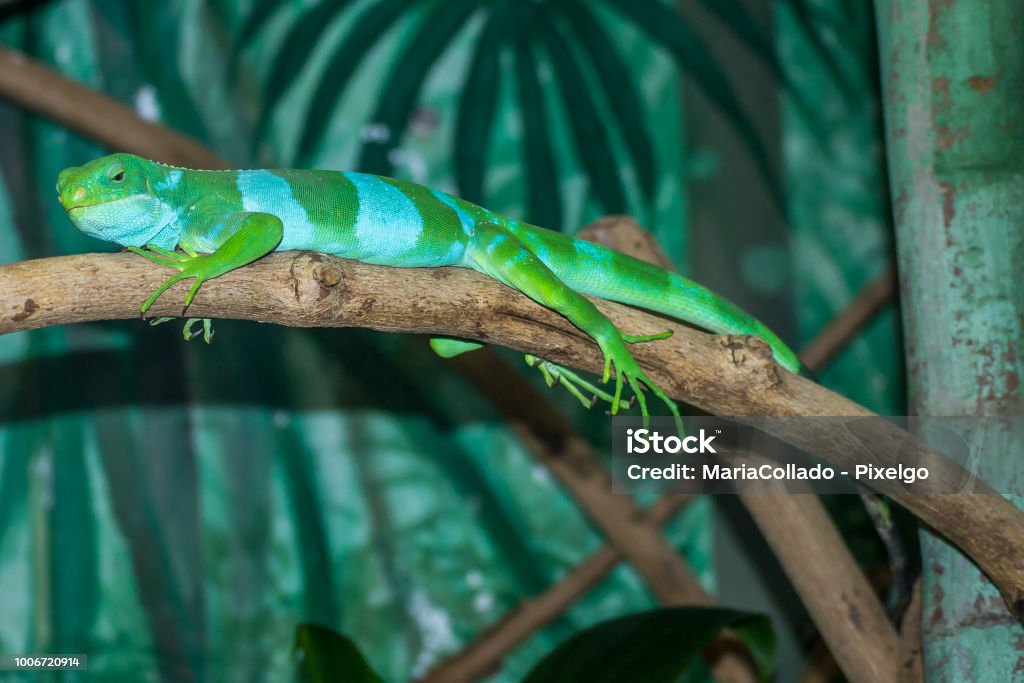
(752, 356)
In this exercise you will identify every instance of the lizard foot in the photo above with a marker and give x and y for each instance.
(189, 333)
(573, 383)
(188, 265)
(617, 358)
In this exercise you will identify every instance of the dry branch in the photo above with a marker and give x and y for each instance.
(724, 375)
(845, 326)
(830, 583)
(549, 438)
(32, 85)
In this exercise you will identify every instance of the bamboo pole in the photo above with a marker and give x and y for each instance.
(952, 76)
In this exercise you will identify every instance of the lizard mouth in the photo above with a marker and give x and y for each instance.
(76, 207)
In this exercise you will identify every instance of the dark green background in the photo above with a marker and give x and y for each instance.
(208, 498)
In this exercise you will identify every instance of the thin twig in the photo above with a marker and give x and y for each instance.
(25, 81)
(485, 654)
(847, 325)
(911, 655)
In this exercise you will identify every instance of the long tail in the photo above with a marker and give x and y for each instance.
(592, 269)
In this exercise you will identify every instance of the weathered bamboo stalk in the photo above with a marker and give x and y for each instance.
(952, 76)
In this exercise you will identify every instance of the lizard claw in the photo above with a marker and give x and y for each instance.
(628, 371)
(577, 386)
(189, 333)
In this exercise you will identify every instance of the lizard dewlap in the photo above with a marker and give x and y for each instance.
(203, 224)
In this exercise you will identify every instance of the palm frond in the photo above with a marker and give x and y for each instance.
(588, 130)
(618, 85)
(293, 54)
(663, 25)
(477, 105)
(262, 11)
(366, 30)
(543, 196)
(428, 42)
(734, 16)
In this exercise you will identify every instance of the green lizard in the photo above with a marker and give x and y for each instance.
(222, 220)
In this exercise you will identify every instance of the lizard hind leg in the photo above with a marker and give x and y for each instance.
(578, 387)
(450, 347)
(496, 252)
(189, 332)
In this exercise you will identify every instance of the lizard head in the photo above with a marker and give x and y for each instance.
(113, 198)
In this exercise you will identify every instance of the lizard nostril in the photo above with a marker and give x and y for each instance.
(79, 194)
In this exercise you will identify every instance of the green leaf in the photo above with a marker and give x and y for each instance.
(619, 86)
(543, 193)
(153, 27)
(589, 132)
(435, 32)
(735, 16)
(477, 104)
(262, 11)
(663, 25)
(293, 54)
(353, 48)
(803, 14)
(653, 647)
(324, 656)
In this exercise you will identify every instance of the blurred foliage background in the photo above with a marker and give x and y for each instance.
(175, 509)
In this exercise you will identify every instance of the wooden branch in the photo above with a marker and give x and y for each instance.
(848, 324)
(829, 583)
(484, 655)
(911, 652)
(549, 438)
(724, 375)
(575, 464)
(32, 84)
(27, 82)
(866, 644)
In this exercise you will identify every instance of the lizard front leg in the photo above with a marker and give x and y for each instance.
(247, 237)
(496, 252)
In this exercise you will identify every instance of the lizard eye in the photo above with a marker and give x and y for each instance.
(118, 177)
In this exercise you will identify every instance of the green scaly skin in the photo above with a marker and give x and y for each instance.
(206, 223)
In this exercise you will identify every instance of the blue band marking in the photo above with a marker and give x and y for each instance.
(264, 192)
(388, 223)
